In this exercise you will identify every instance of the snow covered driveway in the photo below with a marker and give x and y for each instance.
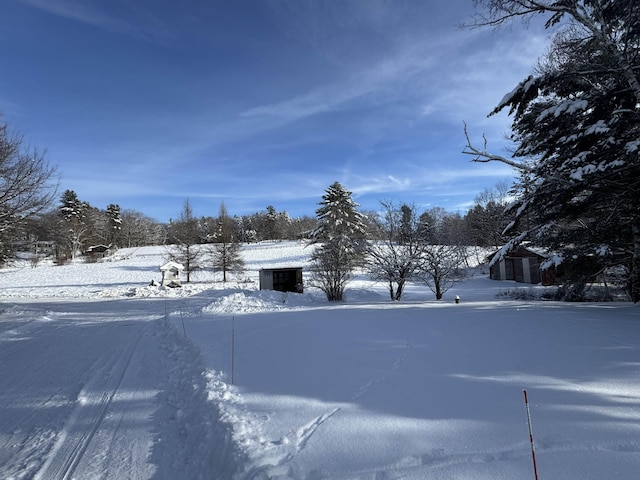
(67, 388)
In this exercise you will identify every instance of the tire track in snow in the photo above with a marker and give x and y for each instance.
(85, 420)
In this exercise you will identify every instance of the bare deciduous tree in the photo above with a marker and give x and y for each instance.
(27, 184)
(440, 267)
(394, 257)
(225, 252)
(187, 236)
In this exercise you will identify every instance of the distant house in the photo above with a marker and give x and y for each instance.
(281, 279)
(522, 265)
(44, 247)
(98, 251)
(32, 244)
(171, 274)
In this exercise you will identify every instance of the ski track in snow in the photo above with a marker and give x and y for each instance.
(369, 385)
(88, 414)
(101, 402)
(56, 393)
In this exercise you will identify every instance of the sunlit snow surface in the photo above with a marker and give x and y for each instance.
(105, 376)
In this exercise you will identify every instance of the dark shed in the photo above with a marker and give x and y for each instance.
(522, 265)
(98, 251)
(281, 279)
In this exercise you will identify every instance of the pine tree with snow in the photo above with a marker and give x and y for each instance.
(578, 117)
(114, 221)
(71, 207)
(340, 241)
(271, 223)
(73, 213)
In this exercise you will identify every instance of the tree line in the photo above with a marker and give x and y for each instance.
(395, 245)
(32, 213)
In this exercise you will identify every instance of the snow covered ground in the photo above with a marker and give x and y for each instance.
(103, 376)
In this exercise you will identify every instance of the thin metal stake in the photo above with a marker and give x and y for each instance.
(233, 350)
(184, 330)
(533, 450)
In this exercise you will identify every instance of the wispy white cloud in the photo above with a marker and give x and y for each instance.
(139, 24)
(458, 76)
(482, 70)
(354, 86)
(79, 11)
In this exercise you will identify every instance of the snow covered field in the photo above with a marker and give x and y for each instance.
(103, 376)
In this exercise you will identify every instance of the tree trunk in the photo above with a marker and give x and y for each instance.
(436, 282)
(399, 291)
(391, 293)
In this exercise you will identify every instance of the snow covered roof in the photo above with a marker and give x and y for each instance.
(98, 248)
(285, 267)
(171, 266)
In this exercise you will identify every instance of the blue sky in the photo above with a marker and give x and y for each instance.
(148, 103)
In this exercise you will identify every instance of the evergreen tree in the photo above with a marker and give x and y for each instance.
(578, 116)
(73, 213)
(340, 240)
(407, 223)
(271, 225)
(486, 220)
(71, 208)
(114, 223)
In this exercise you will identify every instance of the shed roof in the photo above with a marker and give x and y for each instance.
(98, 248)
(273, 269)
(521, 251)
(171, 266)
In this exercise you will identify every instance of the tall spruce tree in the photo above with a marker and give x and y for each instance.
(73, 213)
(340, 240)
(114, 223)
(578, 116)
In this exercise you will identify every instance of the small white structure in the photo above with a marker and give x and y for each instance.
(171, 274)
